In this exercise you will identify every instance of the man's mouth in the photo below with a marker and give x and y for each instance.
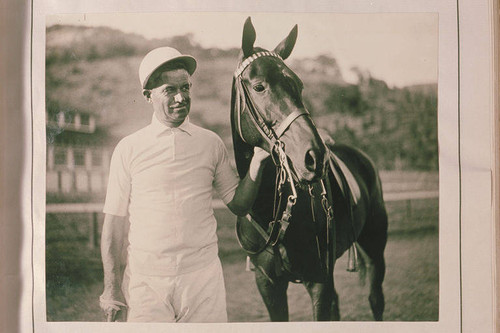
(177, 107)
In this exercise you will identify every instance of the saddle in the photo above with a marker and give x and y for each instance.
(344, 179)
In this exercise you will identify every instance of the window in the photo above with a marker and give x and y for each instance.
(52, 117)
(60, 157)
(96, 157)
(69, 118)
(79, 156)
(84, 119)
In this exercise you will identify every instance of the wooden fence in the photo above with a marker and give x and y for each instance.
(94, 209)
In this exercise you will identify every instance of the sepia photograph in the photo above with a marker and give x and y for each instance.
(242, 167)
(220, 166)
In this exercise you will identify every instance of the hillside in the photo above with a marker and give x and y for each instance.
(95, 70)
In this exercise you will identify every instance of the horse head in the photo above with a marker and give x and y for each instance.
(267, 107)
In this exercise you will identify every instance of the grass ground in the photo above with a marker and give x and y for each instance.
(74, 273)
(411, 287)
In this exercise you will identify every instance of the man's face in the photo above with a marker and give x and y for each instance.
(170, 96)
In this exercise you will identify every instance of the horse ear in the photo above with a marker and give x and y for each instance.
(286, 46)
(248, 38)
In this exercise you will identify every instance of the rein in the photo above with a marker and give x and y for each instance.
(277, 227)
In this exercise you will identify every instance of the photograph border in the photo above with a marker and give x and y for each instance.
(451, 61)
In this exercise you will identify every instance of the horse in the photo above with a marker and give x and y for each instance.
(306, 214)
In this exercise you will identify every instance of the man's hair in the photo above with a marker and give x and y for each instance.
(169, 66)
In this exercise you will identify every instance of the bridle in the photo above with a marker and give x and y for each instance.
(270, 133)
(273, 134)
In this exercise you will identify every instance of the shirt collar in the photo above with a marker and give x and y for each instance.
(158, 127)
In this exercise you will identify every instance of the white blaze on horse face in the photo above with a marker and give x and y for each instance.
(170, 98)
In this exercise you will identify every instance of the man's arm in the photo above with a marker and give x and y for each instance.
(246, 192)
(112, 240)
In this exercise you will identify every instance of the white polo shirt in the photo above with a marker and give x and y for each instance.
(165, 178)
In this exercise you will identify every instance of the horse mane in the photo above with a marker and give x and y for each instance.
(243, 152)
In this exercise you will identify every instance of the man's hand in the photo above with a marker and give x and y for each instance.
(246, 192)
(259, 154)
(257, 164)
(113, 309)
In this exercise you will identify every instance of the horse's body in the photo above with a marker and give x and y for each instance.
(308, 251)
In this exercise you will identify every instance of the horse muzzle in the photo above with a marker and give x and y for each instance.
(314, 164)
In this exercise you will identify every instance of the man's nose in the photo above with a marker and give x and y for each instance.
(178, 97)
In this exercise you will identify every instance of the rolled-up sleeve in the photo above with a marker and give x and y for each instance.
(119, 183)
(225, 180)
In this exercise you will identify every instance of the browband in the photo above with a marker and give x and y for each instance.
(244, 64)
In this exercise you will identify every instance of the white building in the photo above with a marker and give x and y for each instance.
(77, 160)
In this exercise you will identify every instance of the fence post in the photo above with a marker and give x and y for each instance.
(408, 210)
(93, 232)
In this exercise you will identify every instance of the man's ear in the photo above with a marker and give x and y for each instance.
(147, 95)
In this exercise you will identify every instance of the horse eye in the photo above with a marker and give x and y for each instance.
(258, 88)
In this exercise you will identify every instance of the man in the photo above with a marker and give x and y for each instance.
(163, 176)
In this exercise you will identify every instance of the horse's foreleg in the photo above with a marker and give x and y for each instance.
(273, 291)
(325, 300)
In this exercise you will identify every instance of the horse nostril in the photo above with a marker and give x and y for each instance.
(311, 160)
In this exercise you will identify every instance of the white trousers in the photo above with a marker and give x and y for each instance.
(196, 297)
